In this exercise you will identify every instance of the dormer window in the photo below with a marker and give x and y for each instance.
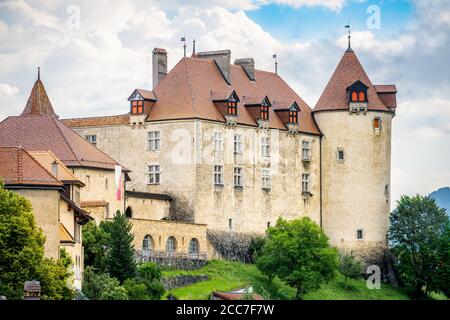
(293, 116)
(232, 108)
(264, 112)
(137, 106)
(357, 92)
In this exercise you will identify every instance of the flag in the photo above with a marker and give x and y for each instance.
(118, 178)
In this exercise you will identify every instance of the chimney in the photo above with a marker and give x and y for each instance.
(55, 169)
(222, 59)
(159, 65)
(248, 64)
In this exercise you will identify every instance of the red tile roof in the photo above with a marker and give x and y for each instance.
(348, 71)
(190, 87)
(18, 167)
(38, 129)
(97, 121)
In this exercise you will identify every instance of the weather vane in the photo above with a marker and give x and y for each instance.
(349, 33)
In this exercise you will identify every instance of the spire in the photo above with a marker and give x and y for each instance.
(349, 36)
(193, 49)
(38, 103)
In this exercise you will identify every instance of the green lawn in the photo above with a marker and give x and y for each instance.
(227, 275)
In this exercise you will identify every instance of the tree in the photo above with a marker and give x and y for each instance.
(97, 245)
(102, 286)
(441, 280)
(149, 274)
(349, 267)
(135, 290)
(22, 252)
(121, 262)
(419, 238)
(298, 252)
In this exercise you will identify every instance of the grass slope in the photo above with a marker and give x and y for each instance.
(228, 275)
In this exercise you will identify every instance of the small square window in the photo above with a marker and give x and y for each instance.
(359, 234)
(92, 139)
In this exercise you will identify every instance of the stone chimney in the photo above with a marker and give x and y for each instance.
(222, 59)
(55, 169)
(248, 64)
(159, 65)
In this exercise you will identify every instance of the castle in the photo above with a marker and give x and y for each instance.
(216, 146)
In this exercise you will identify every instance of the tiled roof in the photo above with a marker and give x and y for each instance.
(41, 132)
(38, 103)
(186, 93)
(348, 71)
(18, 167)
(82, 215)
(148, 195)
(147, 94)
(385, 88)
(93, 203)
(190, 87)
(97, 121)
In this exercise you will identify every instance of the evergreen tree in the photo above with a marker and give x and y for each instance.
(121, 262)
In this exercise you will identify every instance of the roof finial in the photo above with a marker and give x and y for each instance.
(349, 35)
(39, 73)
(193, 49)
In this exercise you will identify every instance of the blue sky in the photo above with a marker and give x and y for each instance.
(309, 23)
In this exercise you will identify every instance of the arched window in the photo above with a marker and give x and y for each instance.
(193, 247)
(354, 96)
(147, 243)
(362, 97)
(171, 245)
(128, 212)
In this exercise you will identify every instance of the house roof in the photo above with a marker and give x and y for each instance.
(82, 215)
(97, 121)
(148, 195)
(188, 91)
(64, 235)
(18, 167)
(47, 158)
(348, 71)
(38, 128)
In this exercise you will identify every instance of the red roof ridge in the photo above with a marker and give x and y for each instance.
(65, 139)
(190, 89)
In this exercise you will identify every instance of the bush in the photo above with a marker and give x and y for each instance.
(349, 267)
(135, 290)
(102, 286)
(149, 274)
(256, 246)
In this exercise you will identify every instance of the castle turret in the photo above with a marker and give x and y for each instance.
(356, 159)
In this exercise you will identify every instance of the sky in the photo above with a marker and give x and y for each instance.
(93, 54)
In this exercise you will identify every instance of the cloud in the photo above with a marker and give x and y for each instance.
(8, 90)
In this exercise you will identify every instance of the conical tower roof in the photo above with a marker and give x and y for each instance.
(348, 71)
(38, 103)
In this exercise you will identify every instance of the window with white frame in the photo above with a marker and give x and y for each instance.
(306, 150)
(153, 140)
(92, 139)
(265, 178)
(218, 175)
(154, 174)
(238, 143)
(305, 182)
(238, 177)
(218, 141)
(265, 147)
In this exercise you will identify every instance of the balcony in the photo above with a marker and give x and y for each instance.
(178, 260)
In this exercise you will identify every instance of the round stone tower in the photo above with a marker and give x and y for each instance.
(355, 119)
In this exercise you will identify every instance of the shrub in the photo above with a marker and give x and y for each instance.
(102, 286)
(135, 290)
(349, 267)
(149, 274)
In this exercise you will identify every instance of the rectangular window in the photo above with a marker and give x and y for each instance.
(340, 154)
(238, 143)
(265, 147)
(153, 140)
(218, 142)
(305, 182)
(218, 175)
(264, 112)
(306, 151)
(238, 177)
(230, 224)
(92, 139)
(154, 174)
(137, 106)
(359, 234)
(377, 123)
(293, 117)
(265, 178)
(232, 108)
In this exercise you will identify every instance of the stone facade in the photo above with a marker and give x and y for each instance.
(46, 206)
(356, 190)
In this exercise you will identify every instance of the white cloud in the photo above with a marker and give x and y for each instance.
(8, 90)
